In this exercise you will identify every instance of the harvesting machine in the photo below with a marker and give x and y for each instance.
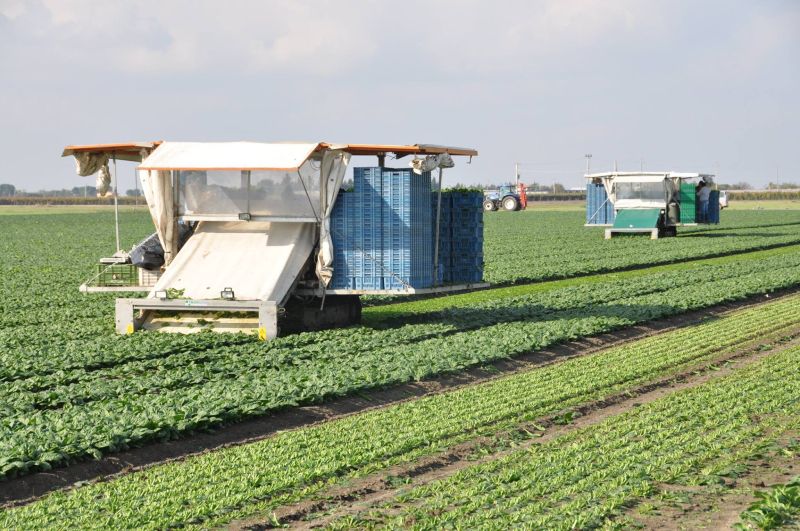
(248, 232)
(654, 203)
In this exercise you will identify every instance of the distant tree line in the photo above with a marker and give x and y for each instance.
(764, 195)
(9, 190)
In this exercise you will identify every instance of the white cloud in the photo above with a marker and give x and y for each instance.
(152, 36)
(12, 9)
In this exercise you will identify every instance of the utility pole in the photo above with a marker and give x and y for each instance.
(641, 165)
(136, 186)
(516, 173)
(615, 166)
(588, 163)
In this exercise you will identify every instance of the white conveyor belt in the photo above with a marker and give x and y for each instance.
(258, 260)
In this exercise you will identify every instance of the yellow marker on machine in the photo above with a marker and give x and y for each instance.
(129, 329)
(262, 333)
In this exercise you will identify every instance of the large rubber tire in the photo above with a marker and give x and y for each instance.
(489, 205)
(339, 311)
(510, 203)
(667, 232)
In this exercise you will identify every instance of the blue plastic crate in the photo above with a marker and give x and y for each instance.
(599, 210)
(375, 283)
(389, 225)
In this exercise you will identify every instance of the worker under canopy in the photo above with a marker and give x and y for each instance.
(247, 181)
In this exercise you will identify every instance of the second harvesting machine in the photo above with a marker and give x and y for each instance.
(259, 217)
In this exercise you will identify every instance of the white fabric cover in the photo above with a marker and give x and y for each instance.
(333, 168)
(639, 203)
(227, 156)
(431, 162)
(91, 163)
(157, 187)
(258, 260)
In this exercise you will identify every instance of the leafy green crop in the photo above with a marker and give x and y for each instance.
(583, 479)
(255, 478)
(70, 388)
(534, 245)
(775, 508)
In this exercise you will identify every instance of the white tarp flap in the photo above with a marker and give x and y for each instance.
(228, 156)
(157, 187)
(91, 163)
(608, 184)
(258, 260)
(334, 166)
(431, 162)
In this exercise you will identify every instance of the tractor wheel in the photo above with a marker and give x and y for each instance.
(489, 206)
(510, 203)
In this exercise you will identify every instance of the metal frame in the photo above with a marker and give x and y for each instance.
(319, 292)
(611, 232)
(225, 217)
(83, 288)
(127, 322)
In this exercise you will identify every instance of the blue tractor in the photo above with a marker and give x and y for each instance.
(507, 196)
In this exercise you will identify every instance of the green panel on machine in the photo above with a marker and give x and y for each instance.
(687, 203)
(637, 218)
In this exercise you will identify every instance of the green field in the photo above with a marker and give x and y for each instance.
(72, 390)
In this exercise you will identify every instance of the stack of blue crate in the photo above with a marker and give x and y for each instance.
(368, 227)
(445, 270)
(466, 235)
(599, 210)
(407, 231)
(343, 233)
(383, 233)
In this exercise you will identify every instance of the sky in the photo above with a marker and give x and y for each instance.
(707, 86)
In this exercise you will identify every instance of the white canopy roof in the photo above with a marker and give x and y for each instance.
(640, 178)
(644, 176)
(228, 156)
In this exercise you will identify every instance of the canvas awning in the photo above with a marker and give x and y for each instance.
(228, 156)
(131, 151)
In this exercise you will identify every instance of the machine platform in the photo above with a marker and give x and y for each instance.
(408, 291)
(642, 220)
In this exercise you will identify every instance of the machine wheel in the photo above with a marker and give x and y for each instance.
(305, 314)
(510, 203)
(489, 206)
(667, 232)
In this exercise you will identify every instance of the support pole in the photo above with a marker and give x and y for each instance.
(436, 236)
(116, 204)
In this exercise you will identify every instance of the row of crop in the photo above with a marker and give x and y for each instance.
(547, 245)
(387, 312)
(585, 478)
(23, 373)
(71, 361)
(241, 481)
(39, 438)
(187, 367)
(41, 309)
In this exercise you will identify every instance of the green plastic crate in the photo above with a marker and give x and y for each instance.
(109, 275)
(687, 203)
